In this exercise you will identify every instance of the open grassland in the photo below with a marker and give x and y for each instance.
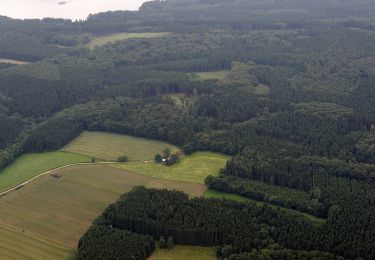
(218, 75)
(28, 166)
(184, 253)
(222, 195)
(15, 244)
(192, 168)
(109, 147)
(60, 207)
(102, 40)
(15, 62)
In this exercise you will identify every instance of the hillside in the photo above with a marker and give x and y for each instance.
(269, 103)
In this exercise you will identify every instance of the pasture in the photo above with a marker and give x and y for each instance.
(28, 166)
(192, 168)
(108, 147)
(61, 206)
(212, 75)
(184, 253)
(102, 40)
(15, 244)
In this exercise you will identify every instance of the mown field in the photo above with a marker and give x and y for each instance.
(192, 168)
(15, 244)
(28, 166)
(102, 40)
(109, 147)
(61, 207)
(184, 253)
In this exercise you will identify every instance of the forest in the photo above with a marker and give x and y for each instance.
(293, 107)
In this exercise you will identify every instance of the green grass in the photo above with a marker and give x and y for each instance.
(229, 196)
(15, 244)
(184, 253)
(219, 75)
(222, 195)
(109, 147)
(192, 168)
(102, 40)
(28, 166)
(62, 208)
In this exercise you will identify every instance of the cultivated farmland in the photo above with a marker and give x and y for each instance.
(109, 147)
(60, 207)
(192, 168)
(15, 244)
(28, 166)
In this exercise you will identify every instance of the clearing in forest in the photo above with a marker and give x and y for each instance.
(184, 253)
(28, 166)
(230, 196)
(192, 168)
(15, 62)
(212, 75)
(102, 40)
(108, 147)
(61, 206)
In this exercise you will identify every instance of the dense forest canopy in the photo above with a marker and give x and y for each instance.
(286, 87)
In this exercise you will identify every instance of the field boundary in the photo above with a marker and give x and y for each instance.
(19, 186)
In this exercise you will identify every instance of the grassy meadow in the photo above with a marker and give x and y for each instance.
(102, 40)
(28, 166)
(62, 206)
(218, 75)
(192, 168)
(14, 62)
(184, 253)
(108, 147)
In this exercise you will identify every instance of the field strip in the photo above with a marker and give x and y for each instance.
(19, 186)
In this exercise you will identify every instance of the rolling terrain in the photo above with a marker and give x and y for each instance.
(108, 147)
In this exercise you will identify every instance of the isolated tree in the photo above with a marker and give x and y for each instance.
(166, 153)
(123, 158)
(170, 242)
(162, 242)
(158, 158)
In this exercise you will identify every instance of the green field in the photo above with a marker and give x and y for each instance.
(192, 168)
(184, 253)
(229, 196)
(221, 195)
(219, 75)
(28, 166)
(15, 244)
(109, 147)
(102, 40)
(61, 208)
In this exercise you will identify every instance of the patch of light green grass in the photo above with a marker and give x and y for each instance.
(192, 168)
(102, 40)
(184, 253)
(109, 147)
(28, 166)
(230, 196)
(219, 75)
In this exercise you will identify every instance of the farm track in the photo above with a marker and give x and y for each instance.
(19, 186)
